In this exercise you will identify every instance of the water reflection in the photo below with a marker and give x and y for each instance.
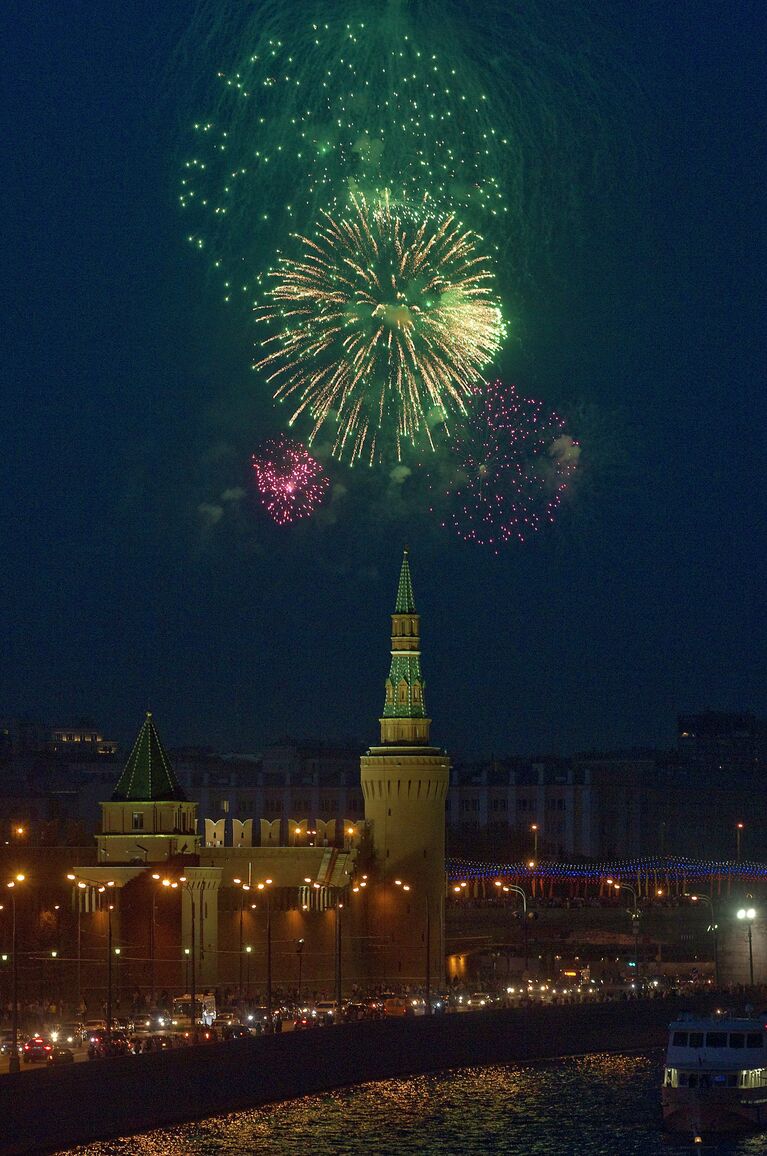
(594, 1106)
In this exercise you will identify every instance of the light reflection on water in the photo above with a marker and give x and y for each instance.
(592, 1106)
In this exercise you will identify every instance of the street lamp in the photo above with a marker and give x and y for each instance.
(427, 969)
(79, 885)
(714, 926)
(300, 954)
(534, 829)
(749, 914)
(266, 886)
(519, 891)
(110, 909)
(634, 917)
(183, 883)
(243, 888)
(738, 832)
(13, 1062)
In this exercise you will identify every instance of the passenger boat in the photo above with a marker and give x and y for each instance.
(715, 1076)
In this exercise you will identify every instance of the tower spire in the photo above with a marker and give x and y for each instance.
(404, 715)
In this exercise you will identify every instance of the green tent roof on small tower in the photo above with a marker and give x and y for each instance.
(148, 776)
(405, 599)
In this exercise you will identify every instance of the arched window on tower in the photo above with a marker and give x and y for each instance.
(389, 691)
(402, 695)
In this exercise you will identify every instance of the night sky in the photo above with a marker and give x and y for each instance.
(129, 408)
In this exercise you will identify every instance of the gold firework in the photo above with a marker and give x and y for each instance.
(386, 321)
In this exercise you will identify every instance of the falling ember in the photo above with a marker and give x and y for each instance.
(290, 482)
(514, 466)
(385, 319)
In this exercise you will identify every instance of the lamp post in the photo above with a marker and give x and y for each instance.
(519, 891)
(427, 958)
(79, 885)
(13, 1060)
(248, 951)
(243, 888)
(300, 954)
(749, 915)
(266, 887)
(738, 832)
(534, 829)
(634, 917)
(713, 927)
(183, 883)
(110, 908)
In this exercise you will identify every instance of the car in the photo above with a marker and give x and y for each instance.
(326, 1011)
(99, 1047)
(225, 1017)
(479, 999)
(6, 1043)
(36, 1050)
(257, 1019)
(396, 1006)
(90, 1027)
(234, 1032)
(305, 1020)
(157, 1042)
(68, 1035)
(59, 1055)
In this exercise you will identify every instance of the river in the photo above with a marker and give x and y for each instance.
(599, 1105)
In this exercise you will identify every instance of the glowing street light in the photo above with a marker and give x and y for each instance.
(749, 915)
(13, 1061)
(714, 927)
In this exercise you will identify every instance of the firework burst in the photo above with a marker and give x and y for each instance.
(515, 464)
(290, 482)
(387, 319)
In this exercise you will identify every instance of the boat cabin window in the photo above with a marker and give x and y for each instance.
(696, 1039)
(680, 1039)
(737, 1039)
(754, 1040)
(716, 1039)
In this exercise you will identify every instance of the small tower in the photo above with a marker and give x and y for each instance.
(148, 819)
(404, 784)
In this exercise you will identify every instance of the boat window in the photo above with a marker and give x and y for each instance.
(732, 1081)
(680, 1039)
(716, 1039)
(754, 1040)
(719, 1078)
(696, 1039)
(737, 1039)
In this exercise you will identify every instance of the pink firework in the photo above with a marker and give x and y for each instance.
(291, 483)
(515, 463)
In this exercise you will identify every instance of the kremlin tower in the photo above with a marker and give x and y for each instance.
(404, 784)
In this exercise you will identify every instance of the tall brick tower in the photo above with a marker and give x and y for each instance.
(404, 784)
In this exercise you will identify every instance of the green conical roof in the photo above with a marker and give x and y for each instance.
(148, 776)
(405, 600)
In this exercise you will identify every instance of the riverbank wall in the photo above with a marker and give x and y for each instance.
(49, 1109)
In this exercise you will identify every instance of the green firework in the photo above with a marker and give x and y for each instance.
(488, 108)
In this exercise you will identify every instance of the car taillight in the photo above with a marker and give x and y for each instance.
(47, 1047)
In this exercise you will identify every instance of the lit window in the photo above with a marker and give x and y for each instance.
(138, 821)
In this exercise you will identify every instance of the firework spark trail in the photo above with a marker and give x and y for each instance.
(386, 318)
(509, 111)
(290, 482)
(515, 464)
